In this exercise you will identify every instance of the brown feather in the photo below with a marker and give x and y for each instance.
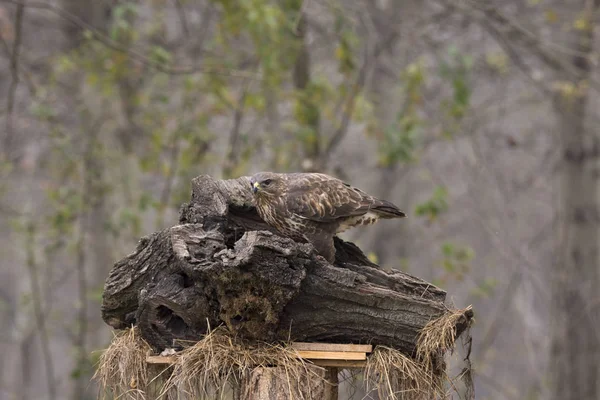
(313, 207)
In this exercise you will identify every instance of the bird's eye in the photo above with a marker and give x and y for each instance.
(267, 182)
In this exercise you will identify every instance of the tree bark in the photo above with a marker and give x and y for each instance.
(575, 344)
(223, 265)
(308, 114)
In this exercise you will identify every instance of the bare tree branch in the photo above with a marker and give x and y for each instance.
(358, 85)
(25, 74)
(499, 388)
(482, 11)
(88, 170)
(231, 159)
(14, 69)
(40, 316)
(302, 81)
(168, 188)
(518, 32)
(133, 53)
(182, 18)
(342, 130)
(25, 350)
(514, 56)
(198, 43)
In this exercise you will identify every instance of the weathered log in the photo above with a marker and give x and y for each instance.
(224, 265)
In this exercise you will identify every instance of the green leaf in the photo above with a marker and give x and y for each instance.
(43, 111)
(146, 200)
(456, 71)
(436, 205)
(485, 289)
(447, 249)
(159, 55)
(456, 261)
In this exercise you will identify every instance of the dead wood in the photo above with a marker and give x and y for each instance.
(223, 266)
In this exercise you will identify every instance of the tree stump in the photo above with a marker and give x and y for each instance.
(223, 265)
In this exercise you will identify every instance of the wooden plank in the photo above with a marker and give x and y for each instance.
(331, 355)
(321, 363)
(365, 348)
(161, 359)
(340, 363)
(318, 356)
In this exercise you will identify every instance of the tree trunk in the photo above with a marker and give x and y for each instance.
(385, 94)
(575, 345)
(222, 265)
(308, 114)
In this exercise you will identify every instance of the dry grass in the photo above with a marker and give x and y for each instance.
(437, 337)
(219, 362)
(396, 376)
(205, 370)
(123, 371)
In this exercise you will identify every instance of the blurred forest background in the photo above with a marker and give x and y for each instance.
(479, 118)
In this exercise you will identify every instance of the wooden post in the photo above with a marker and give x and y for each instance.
(274, 383)
(331, 377)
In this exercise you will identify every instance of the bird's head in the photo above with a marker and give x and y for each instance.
(266, 184)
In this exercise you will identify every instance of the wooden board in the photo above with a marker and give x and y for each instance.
(365, 348)
(309, 355)
(340, 363)
(161, 359)
(322, 363)
(331, 355)
(322, 354)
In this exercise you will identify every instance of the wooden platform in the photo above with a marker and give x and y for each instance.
(322, 354)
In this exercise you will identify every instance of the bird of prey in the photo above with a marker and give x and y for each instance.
(313, 207)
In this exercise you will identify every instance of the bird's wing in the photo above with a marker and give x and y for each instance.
(321, 198)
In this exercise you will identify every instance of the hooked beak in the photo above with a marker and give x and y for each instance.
(254, 187)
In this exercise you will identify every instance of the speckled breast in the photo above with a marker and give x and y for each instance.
(292, 226)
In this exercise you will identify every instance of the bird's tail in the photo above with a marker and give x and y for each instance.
(385, 209)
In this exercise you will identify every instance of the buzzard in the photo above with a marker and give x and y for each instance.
(313, 207)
